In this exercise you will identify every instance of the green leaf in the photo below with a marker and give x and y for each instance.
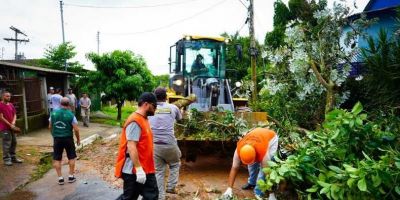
(362, 185)
(357, 108)
(397, 164)
(351, 123)
(334, 192)
(336, 134)
(366, 156)
(324, 190)
(397, 189)
(350, 168)
(350, 182)
(376, 180)
(272, 164)
(273, 175)
(332, 115)
(359, 121)
(336, 169)
(322, 177)
(323, 184)
(312, 189)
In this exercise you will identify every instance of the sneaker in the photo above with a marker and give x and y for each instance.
(8, 163)
(16, 160)
(61, 181)
(71, 179)
(248, 186)
(171, 191)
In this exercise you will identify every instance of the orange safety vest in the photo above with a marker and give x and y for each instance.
(144, 146)
(259, 138)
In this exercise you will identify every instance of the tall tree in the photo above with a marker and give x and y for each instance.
(121, 75)
(238, 57)
(319, 54)
(55, 57)
(162, 80)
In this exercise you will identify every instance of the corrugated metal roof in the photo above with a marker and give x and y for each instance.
(28, 67)
(381, 4)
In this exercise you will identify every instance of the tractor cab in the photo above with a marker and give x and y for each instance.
(197, 66)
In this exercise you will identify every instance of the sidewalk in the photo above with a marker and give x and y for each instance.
(43, 137)
(88, 185)
(42, 141)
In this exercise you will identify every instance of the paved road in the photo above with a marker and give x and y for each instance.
(88, 186)
(12, 177)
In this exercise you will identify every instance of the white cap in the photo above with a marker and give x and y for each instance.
(51, 88)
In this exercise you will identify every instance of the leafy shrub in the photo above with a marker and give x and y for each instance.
(348, 158)
(382, 78)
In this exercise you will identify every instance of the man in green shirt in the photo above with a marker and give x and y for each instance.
(62, 122)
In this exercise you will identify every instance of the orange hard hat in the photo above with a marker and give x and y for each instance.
(247, 154)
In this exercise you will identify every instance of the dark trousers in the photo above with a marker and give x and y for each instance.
(9, 145)
(133, 189)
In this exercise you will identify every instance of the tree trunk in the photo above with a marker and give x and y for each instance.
(119, 107)
(330, 97)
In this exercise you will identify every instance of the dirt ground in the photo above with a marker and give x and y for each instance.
(204, 179)
(11, 177)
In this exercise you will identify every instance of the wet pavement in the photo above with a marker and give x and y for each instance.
(14, 176)
(87, 186)
(19, 174)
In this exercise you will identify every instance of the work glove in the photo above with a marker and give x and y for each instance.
(140, 175)
(228, 193)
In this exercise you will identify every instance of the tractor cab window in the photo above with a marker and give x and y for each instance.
(201, 62)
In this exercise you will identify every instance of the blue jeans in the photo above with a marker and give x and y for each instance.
(255, 174)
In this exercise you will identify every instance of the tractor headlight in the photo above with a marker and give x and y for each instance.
(227, 41)
(178, 82)
(187, 37)
(238, 84)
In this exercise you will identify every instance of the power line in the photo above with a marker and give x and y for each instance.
(98, 42)
(171, 24)
(128, 7)
(241, 27)
(243, 4)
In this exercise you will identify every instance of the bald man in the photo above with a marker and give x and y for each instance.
(62, 122)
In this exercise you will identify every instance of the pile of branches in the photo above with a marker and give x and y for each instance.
(219, 126)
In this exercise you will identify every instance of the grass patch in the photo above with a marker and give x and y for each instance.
(112, 111)
(44, 166)
(112, 122)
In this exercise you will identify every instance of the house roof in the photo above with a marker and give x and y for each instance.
(375, 12)
(33, 68)
(381, 4)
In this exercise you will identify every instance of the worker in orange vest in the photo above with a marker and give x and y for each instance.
(256, 148)
(135, 163)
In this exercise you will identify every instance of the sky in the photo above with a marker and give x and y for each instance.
(146, 27)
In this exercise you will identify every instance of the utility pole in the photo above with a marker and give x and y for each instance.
(2, 53)
(17, 31)
(253, 51)
(98, 42)
(62, 29)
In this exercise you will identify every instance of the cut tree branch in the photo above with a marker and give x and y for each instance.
(318, 74)
(278, 124)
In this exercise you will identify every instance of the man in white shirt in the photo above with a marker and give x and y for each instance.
(85, 109)
(49, 94)
(56, 99)
(73, 103)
